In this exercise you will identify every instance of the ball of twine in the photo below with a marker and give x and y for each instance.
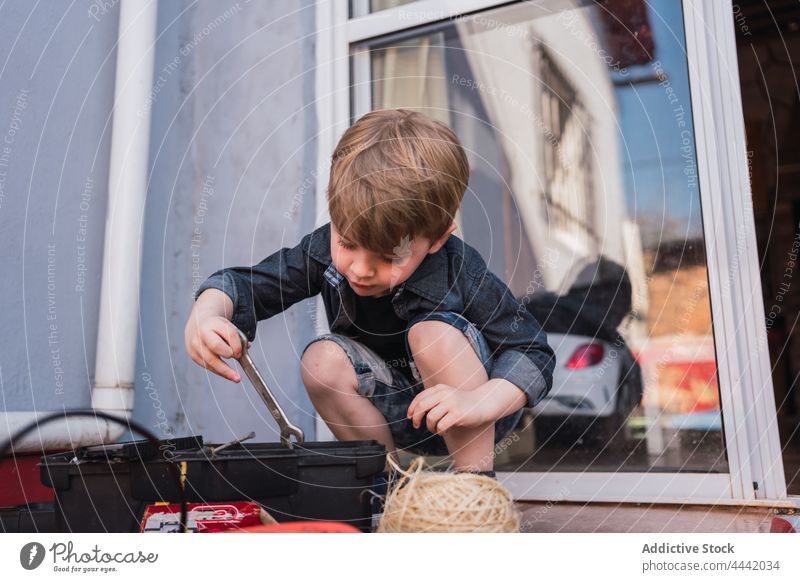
(430, 501)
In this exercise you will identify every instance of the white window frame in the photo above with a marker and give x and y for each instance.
(746, 394)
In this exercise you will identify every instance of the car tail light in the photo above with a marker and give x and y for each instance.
(586, 355)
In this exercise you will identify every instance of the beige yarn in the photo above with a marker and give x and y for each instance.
(431, 501)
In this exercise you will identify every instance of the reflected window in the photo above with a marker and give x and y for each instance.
(568, 184)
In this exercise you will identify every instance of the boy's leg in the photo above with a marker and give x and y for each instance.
(331, 382)
(442, 354)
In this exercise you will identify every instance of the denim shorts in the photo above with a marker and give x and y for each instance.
(391, 391)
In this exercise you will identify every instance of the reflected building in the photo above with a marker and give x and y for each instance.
(577, 123)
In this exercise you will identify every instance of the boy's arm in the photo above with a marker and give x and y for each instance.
(518, 344)
(268, 288)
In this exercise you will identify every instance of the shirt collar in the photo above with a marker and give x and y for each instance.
(430, 278)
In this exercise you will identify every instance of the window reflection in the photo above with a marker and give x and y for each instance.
(584, 196)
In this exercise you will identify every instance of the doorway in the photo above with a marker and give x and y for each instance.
(768, 47)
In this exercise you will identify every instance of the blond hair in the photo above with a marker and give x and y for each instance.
(396, 174)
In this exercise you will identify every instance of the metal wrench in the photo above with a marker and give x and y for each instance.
(287, 428)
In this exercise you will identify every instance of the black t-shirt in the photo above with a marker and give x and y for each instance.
(380, 329)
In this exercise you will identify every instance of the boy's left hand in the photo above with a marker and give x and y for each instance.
(447, 407)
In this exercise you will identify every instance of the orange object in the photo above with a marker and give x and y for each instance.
(299, 527)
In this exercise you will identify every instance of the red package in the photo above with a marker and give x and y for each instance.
(204, 517)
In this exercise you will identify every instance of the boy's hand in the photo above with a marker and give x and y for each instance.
(448, 407)
(210, 336)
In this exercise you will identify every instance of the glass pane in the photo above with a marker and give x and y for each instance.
(584, 197)
(364, 7)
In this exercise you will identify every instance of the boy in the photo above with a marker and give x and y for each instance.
(428, 350)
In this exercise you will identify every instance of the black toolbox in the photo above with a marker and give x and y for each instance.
(30, 518)
(107, 488)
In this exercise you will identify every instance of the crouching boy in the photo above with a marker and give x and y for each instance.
(428, 350)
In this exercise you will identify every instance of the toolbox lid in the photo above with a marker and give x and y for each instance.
(256, 469)
(194, 448)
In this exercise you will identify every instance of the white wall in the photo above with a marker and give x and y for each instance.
(233, 108)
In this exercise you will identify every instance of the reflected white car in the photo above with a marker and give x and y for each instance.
(596, 385)
(597, 381)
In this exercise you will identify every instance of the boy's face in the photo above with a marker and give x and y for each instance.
(372, 274)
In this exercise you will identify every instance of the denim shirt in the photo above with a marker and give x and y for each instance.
(455, 278)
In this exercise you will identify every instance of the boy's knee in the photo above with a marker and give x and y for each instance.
(325, 365)
(434, 339)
